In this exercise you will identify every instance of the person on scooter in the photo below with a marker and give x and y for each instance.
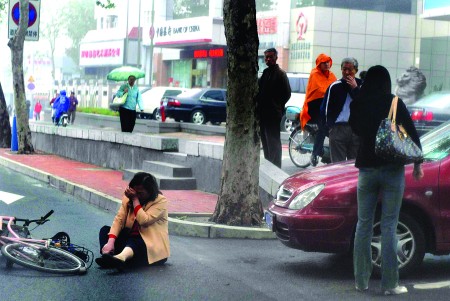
(61, 106)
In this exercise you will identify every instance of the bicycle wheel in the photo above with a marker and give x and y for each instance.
(40, 258)
(300, 148)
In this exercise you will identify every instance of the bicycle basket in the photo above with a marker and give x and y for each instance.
(81, 252)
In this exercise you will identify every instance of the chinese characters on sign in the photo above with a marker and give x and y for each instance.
(300, 51)
(29, 33)
(168, 30)
(107, 52)
(267, 25)
(192, 30)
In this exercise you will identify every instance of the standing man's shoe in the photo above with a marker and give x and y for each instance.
(314, 160)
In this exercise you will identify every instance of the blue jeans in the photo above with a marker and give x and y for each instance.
(388, 182)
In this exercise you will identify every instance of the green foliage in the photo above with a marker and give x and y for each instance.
(190, 8)
(3, 5)
(78, 16)
(265, 5)
(106, 5)
(98, 111)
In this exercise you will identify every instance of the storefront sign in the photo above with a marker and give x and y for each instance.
(101, 53)
(301, 45)
(267, 25)
(184, 31)
(203, 53)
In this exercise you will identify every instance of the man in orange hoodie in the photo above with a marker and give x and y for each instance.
(319, 80)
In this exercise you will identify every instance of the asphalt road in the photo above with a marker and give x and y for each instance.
(199, 269)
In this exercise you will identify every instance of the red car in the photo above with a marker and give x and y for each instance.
(315, 210)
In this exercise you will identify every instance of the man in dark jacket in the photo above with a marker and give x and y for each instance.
(73, 107)
(274, 92)
(335, 112)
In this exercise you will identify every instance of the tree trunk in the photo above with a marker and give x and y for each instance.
(5, 127)
(16, 45)
(239, 202)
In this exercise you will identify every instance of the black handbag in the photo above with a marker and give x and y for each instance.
(392, 142)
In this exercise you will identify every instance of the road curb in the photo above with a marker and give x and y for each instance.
(177, 226)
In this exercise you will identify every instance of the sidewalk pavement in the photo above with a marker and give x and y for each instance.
(104, 188)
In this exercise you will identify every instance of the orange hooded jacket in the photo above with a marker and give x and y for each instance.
(317, 86)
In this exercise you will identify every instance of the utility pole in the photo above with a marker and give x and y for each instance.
(152, 34)
(125, 59)
(138, 63)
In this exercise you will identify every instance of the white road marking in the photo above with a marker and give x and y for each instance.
(433, 285)
(9, 198)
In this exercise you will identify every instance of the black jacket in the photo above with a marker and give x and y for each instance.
(334, 100)
(365, 118)
(274, 92)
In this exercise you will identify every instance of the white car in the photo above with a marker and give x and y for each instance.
(298, 82)
(151, 98)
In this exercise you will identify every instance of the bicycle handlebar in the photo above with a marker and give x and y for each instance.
(40, 221)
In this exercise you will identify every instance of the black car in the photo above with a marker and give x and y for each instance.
(197, 106)
(430, 111)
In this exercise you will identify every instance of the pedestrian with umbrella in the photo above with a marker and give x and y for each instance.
(127, 111)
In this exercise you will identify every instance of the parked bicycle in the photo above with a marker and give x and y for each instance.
(301, 143)
(51, 255)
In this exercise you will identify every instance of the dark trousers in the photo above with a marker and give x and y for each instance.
(136, 243)
(72, 116)
(319, 140)
(344, 143)
(270, 138)
(127, 119)
(125, 240)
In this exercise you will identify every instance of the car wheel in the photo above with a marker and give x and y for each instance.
(198, 117)
(286, 124)
(410, 246)
(157, 115)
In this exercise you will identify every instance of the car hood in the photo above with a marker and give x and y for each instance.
(340, 181)
(338, 172)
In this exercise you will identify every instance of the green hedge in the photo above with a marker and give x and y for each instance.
(99, 111)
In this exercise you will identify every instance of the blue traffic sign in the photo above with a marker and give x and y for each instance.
(15, 14)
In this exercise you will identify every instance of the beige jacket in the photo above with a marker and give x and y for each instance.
(153, 226)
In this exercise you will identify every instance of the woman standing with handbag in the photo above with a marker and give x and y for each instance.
(127, 111)
(378, 179)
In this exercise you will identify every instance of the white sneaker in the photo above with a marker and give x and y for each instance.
(396, 290)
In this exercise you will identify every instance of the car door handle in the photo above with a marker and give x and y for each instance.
(428, 193)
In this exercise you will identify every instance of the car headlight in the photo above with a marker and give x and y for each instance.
(305, 197)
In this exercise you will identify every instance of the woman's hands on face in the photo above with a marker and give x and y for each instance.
(132, 195)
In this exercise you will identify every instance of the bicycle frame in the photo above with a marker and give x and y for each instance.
(16, 238)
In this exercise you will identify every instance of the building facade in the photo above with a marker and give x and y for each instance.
(191, 51)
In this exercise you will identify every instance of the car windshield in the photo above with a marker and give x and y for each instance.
(436, 143)
(435, 100)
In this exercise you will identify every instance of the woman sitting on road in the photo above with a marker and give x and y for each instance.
(139, 233)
